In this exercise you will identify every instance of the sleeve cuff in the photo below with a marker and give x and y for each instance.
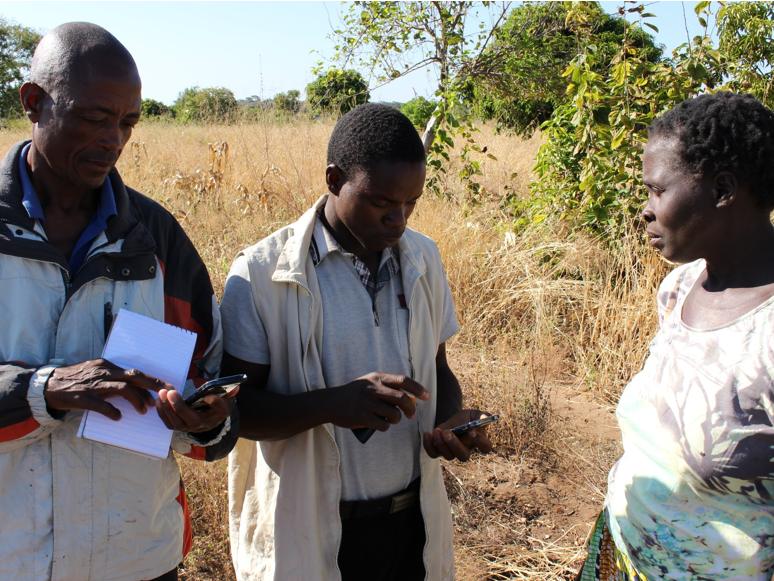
(36, 398)
(192, 439)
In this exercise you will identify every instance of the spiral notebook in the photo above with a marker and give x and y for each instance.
(157, 349)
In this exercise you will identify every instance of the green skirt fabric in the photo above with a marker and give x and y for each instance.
(604, 561)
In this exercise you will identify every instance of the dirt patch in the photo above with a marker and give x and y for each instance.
(528, 517)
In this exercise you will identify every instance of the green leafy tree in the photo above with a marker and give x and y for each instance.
(154, 109)
(589, 168)
(533, 47)
(393, 39)
(419, 110)
(212, 104)
(747, 44)
(287, 102)
(336, 92)
(17, 45)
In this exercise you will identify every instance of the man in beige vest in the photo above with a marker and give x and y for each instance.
(340, 322)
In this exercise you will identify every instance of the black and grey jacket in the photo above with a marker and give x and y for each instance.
(73, 508)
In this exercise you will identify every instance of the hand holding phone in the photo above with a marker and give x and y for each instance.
(457, 437)
(464, 428)
(220, 387)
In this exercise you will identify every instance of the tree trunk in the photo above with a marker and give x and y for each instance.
(429, 135)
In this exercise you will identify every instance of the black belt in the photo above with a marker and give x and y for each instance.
(407, 498)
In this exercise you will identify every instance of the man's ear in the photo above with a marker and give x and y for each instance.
(335, 178)
(725, 188)
(32, 98)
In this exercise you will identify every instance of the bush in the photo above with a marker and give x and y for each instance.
(336, 92)
(419, 110)
(287, 102)
(154, 109)
(532, 49)
(209, 104)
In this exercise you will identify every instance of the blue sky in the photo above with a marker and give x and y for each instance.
(252, 48)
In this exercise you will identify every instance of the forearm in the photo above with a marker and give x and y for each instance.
(449, 400)
(270, 416)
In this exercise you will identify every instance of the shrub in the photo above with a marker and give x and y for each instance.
(208, 104)
(419, 110)
(336, 92)
(154, 109)
(287, 102)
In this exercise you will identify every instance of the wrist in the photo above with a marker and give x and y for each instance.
(326, 404)
(37, 392)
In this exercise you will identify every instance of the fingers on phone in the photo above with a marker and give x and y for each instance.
(481, 440)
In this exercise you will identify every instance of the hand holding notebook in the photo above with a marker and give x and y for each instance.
(159, 350)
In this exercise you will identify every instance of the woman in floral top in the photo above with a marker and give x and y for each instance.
(692, 497)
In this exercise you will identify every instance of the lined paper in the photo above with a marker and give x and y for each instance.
(157, 349)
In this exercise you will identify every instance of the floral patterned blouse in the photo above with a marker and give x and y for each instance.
(692, 497)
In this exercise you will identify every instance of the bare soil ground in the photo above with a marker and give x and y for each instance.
(515, 517)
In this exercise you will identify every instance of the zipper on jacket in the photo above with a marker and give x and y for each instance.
(92, 258)
(108, 319)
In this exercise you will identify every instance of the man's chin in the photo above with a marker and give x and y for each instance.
(91, 181)
(382, 243)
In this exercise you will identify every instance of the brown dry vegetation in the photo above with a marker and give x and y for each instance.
(544, 318)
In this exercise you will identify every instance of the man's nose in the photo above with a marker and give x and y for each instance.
(113, 138)
(397, 217)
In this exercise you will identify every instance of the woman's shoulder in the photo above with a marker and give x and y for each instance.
(675, 286)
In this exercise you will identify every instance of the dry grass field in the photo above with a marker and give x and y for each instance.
(552, 327)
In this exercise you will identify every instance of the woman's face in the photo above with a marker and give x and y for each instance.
(679, 212)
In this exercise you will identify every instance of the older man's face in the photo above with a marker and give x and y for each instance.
(85, 126)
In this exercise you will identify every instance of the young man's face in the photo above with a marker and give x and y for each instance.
(374, 205)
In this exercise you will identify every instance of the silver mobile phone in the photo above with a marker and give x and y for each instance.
(459, 430)
(220, 387)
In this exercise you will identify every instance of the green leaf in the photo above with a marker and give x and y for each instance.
(649, 25)
(618, 139)
(700, 7)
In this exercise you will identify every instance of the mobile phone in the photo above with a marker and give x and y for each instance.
(459, 430)
(220, 387)
(363, 434)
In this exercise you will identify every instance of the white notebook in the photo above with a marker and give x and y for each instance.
(157, 349)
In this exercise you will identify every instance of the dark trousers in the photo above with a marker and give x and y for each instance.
(383, 548)
(171, 576)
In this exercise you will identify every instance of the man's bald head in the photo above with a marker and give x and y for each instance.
(79, 51)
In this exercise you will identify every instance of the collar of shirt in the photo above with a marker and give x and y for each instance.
(105, 210)
(323, 243)
(107, 203)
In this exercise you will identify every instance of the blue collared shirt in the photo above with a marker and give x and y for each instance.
(106, 209)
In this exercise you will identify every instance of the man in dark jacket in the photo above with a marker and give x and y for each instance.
(76, 246)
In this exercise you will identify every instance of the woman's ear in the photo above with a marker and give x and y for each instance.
(335, 178)
(725, 188)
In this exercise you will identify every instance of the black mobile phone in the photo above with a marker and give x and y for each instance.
(363, 434)
(220, 387)
(459, 430)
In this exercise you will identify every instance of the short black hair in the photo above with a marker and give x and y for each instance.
(372, 133)
(725, 131)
